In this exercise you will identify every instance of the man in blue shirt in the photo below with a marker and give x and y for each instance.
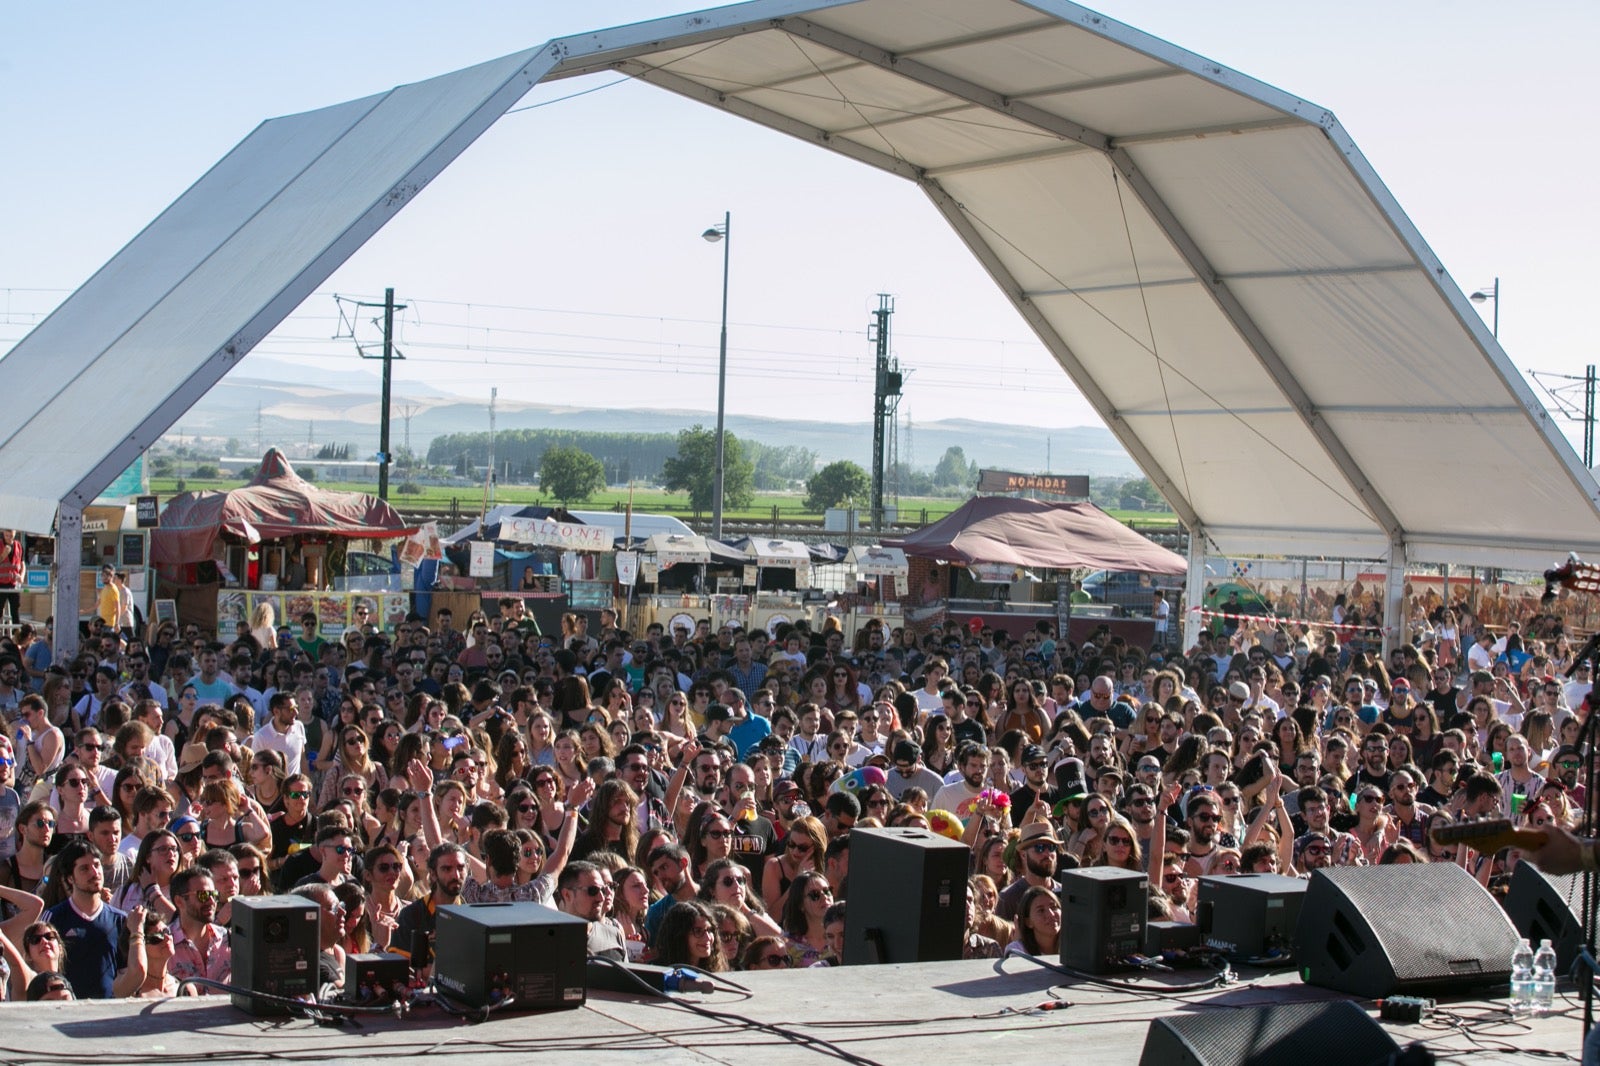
(670, 867)
(210, 686)
(90, 928)
(749, 724)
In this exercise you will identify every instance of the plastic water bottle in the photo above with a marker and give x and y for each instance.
(1522, 980)
(1544, 978)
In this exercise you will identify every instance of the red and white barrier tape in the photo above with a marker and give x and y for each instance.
(1276, 620)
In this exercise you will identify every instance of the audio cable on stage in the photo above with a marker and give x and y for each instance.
(1223, 977)
(817, 1044)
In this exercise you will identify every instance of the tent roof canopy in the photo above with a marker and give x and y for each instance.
(673, 549)
(766, 551)
(277, 503)
(1210, 259)
(1062, 536)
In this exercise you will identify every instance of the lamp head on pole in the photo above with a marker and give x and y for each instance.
(714, 234)
(1478, 297)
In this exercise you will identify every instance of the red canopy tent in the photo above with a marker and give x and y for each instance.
(278, 503)
(1062, 536)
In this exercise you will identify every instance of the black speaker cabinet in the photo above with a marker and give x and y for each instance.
(908, 897)
(1250, 916)
(484, 952)
(1305, 1034)
(275, 942)
(1374, 931)
(1103, 914)
(375, 978)
(1547, 907)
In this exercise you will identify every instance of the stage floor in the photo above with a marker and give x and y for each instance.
(913, 1015)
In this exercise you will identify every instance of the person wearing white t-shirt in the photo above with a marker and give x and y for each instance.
(929, 701)
(1481, 656)
(961, 795)
(1582, 683)
(283, 732)
(869, 742)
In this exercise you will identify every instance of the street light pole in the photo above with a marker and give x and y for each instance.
(1491, 293)
(721, 233)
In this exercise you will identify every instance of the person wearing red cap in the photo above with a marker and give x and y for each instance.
(1401, 714)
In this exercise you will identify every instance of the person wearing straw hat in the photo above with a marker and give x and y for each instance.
(1038, 853)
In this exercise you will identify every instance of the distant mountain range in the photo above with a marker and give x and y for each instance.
(263, 405)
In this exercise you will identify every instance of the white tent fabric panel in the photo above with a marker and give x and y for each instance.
(1057, 224)
(252, 238)
(1367, 339)
(163, 255)
(1268, 200)
(919, 25)
(1155, 107)
(1041, 52)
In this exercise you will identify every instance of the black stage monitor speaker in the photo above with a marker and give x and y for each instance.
(1250, 916)
(275, 942)
(908, 897)
(1547, 907)
(1103, 913)
(1375, 931)
(1305, 1034)
(484, 952)
(376, 978)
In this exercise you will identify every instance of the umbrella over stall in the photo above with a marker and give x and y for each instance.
(1038, 533)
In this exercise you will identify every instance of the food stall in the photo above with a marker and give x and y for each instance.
(991, 541)
(279, 539)
(544, 556)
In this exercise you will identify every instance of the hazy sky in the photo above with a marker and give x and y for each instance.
(560, 257)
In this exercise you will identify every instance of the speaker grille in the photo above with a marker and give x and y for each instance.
(1366, 930)
(1304, 1034)
(1547, 907)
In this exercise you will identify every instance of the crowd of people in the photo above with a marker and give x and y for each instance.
(692, 793)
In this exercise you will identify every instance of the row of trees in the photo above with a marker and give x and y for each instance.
(570, 473)
(572, 466)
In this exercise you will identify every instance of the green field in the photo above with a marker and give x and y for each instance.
(790, 507)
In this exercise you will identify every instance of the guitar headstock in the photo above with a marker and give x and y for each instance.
(1490, 834)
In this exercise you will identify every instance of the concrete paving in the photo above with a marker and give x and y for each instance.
(959, 1012)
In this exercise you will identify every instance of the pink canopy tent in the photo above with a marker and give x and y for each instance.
(1061, 536)
(277, 503)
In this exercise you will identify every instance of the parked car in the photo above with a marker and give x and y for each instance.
(367, 564)
(1133, 593)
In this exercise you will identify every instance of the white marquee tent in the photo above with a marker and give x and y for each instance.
(1211, 260)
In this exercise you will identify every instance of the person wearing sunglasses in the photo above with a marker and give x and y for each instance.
(585, 891)
(1342, 848)
(1039, 855)
(73, 787)
(804, 917)
(508, 854)
(294, 829)
(1203, 822)
(334, 851)
(40, 746)
(36, 830)
(766, 953)
(1169, 879)
(31, 948)
(200, 947)
(727, 882)
(688, 937)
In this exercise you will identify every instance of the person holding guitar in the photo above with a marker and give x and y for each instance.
(1553, 849)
